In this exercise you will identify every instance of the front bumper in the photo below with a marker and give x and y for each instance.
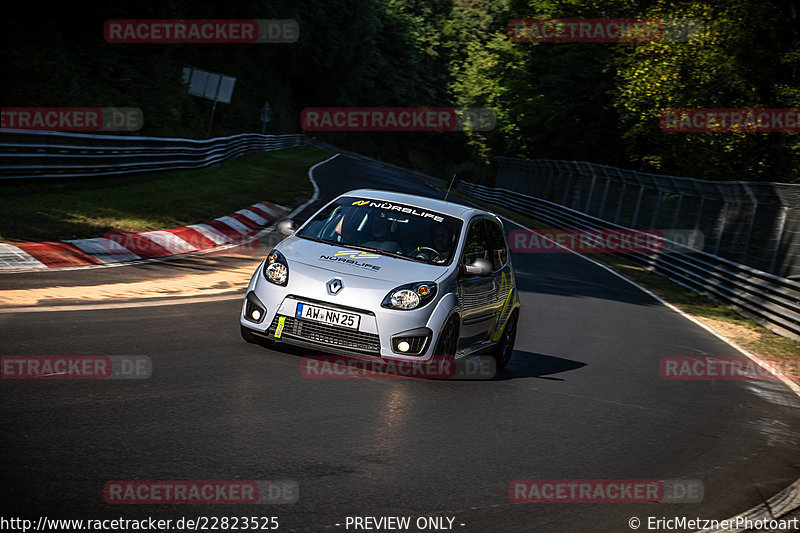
(323, 336)
(381, 332)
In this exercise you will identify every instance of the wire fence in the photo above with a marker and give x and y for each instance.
(771, 300)
(752, 223)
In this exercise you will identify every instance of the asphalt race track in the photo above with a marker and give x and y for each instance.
(581, 399)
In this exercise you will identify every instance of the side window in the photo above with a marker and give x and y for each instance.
(498, 245)
(476, 245)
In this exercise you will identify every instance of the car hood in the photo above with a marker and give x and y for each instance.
(351, 262)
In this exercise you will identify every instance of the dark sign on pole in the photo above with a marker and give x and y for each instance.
(209, 85)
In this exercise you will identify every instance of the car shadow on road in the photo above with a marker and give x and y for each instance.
(525, 364)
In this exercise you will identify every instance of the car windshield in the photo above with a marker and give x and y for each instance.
(388, 228)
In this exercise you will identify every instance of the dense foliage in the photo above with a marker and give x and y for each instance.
(596, 102)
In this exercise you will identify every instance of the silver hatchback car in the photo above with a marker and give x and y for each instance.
(389, 275)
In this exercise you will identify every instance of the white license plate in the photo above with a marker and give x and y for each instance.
(327, 316)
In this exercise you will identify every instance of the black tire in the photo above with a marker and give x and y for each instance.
(448, 339)
(505, 348)
(247, 335)
(444, 355)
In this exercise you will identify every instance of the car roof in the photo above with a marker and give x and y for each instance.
(448, 208)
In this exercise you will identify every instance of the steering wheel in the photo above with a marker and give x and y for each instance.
(439, 256)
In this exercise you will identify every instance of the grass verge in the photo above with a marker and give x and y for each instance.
(85, 208)
(744, 332)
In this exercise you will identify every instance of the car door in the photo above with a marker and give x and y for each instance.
(477, 294)
(503, 277)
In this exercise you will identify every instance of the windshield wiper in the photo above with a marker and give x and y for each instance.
(366, 249)
(384, 252)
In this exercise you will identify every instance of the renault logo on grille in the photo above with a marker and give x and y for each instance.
(334, 286)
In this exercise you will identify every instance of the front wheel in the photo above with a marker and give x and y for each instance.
(505, 347)
(247, 335)
(250, 337)
(448, 338)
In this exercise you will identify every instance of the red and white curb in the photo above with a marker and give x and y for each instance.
(119, 247)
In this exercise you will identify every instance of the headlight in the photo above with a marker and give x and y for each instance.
(404, 299)
(410, 296)
(276, 270)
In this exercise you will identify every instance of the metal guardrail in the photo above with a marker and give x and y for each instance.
(768, 299)
(32, 154)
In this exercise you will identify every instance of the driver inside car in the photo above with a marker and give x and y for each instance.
(442, 238)
(379, 235)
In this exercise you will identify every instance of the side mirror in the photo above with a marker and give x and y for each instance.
(479, 267)
(286, 227)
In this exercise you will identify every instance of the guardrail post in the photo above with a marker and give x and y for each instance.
(699, 217)
(621, 196)
(778, 238)
(720, 229)
(548, 191)
(674, 224)
(605, 194)
(566, 189)
(721, 220)
(750, 225)
(638, 201)
(591, 190)
(655, 211)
